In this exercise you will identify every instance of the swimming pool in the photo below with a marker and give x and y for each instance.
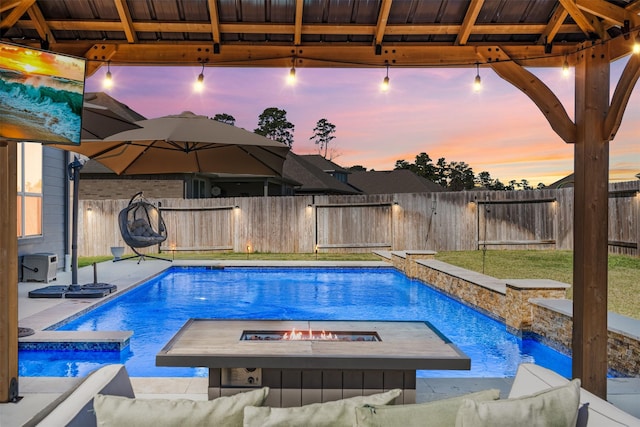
(156, 310)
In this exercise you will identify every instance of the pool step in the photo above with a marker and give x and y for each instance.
(76, 340)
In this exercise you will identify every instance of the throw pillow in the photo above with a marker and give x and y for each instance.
(330, 414)
(224, 411)
(555, 407)
(438, 413)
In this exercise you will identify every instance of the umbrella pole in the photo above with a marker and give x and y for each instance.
(74, 175)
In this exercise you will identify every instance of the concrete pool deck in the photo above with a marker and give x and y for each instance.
(36, 313)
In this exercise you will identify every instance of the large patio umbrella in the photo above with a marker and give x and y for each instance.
(99, 122)
(180, 143)
(186, 143)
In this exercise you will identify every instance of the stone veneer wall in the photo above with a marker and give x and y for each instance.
(489, 301)
(406, 261)
(518, 313)
(554, 329)
(624, 354)
(517, 307)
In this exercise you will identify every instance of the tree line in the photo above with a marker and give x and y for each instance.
(273, 124)
(458, 176)
(454, 176)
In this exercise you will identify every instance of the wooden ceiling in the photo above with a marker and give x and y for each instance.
(321, 33)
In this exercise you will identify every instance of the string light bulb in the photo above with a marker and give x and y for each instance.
(291, 78)
(565, 67)
(198, 86)
(636, 44)
(107, 83)
(477, 82)
(385, 82)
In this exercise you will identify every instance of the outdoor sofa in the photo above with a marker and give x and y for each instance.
(538, 396)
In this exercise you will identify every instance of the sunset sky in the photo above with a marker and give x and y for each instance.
(498, 130)
(13, 57)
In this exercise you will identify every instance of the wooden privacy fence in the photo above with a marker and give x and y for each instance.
(536, 219)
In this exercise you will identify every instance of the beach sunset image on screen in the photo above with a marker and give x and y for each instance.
(41, 95)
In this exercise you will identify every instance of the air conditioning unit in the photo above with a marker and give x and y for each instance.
(39, 267)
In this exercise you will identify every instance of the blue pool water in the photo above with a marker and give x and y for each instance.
(156, 310)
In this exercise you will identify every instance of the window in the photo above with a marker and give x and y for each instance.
(342, 177)
(29, 189)
(199, 186)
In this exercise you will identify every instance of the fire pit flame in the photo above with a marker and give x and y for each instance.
(310, 335)
(295, 335)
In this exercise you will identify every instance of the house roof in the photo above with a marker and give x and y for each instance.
(104, 100)
(394, 181)
(567, 181)
(312, 178)
(323, 164)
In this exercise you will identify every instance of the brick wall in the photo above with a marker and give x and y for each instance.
(113, 189)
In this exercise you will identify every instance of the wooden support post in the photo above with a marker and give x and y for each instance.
(590, 220)
(8, 273)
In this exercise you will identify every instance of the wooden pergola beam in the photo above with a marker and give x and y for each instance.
(585, 24)
(4, 6)
(540, 94)
(620, 98)
(205, 27)
(348, 55)
(591, 191)
(19, 9)
(97, 56)
(126, 22)
(297, 32)
(633, 8)
(8, 272)
(605, 10)
(383, 18)
(214, 21)
(469, 21)
(554, 25)
(590, 229)
(41, 24)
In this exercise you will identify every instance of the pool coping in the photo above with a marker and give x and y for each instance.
(38, 391)
(76, 341)
(126, 276)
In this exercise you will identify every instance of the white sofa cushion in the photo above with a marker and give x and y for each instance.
(436, 414)
(330, 414)
(226, 411)
(531, 378)
(557, 407)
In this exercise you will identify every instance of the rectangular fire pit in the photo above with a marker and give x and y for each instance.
(310, 335)
(311, 361)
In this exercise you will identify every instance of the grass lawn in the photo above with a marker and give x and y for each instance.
(84, 261)
(624, 271)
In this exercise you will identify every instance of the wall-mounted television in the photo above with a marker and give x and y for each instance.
(41, 95)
